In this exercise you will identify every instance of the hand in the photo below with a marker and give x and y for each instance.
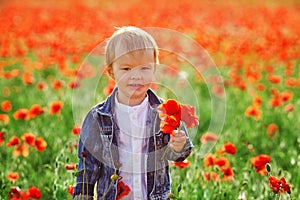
(177, 140)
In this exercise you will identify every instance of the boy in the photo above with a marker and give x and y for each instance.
(120, 138)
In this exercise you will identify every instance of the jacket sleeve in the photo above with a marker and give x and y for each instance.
(183, 154)
(89, 165)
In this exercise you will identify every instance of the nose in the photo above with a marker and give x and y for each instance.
(135, 74)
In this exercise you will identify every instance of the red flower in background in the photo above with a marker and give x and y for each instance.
(4, 118)
(182, 164)
(76, 130)
(228, 147)
(57, 84)
(41, 86)
(286, 95)
(21, 114)
(253, 111)
(13, 141)
(210, 176)
(1, 137)
(71, 166)
(279, 185)
(208, 137)
(122, 190)
(228, 174)
(221, 161)
(55, 107)
(33, 192)
(21, 149)
(28, 138)
(209, 160)
(27, 78)
(6, 106)
(259, 162)
(40, 144)
(35, 110)
(13, 176)
(272, 130)
(71, 189)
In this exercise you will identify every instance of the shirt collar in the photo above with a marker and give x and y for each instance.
(131, 109)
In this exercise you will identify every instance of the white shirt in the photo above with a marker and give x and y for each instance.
(133, 147)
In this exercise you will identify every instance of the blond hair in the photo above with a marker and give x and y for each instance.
(127, 39)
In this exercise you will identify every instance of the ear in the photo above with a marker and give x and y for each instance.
(110, 71)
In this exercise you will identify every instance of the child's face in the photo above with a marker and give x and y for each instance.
(133, 73)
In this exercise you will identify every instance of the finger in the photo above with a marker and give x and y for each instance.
(178, 139)
(178, 133)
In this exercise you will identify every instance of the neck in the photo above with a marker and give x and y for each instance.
(130, 101)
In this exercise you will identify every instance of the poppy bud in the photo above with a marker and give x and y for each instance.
(114, 177)
(268, 167)
(172, 196)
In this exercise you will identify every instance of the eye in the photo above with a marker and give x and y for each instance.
(125, 68)
(146, 67)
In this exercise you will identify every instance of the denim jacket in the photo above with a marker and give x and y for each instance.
(98, 153)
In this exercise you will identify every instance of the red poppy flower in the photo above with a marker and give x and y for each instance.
(276, 101)
(27, 78)
(171, 112)
(71, 166)
(21, 149)
(182, 164)
(253, 111)
(228, 174)
(13, 176)
(6, 106)
(57, 84)
(259, 162)
(41, 86)
(286, 95)
(13, 141)
(1, 137)
(228, 147)
(274, 78)
(208, 137)
(33, 192)
(28, 138)
(40, 144)
(76, 130)
(71, 189)
(257, 101)
(209, 160)
(272, 130)
(279, 185)
(210, 176)
(170, 107)
(74, 84)
(55, 107)
(4, 118)
(21, 114)
(15, 193)
(169, 124)
(221, 161)
(289, 108)
(188, 116)
(35, 110)
(122, 190)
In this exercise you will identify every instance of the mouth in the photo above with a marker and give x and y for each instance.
(135, 85)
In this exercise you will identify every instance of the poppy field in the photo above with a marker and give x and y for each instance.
(44, 79)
